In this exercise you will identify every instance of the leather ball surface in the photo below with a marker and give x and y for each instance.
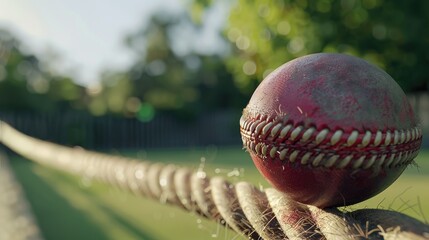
(330, 129)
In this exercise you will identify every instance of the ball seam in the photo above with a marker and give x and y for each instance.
(269, 138)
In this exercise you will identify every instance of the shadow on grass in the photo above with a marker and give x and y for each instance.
(56, 217)
(124, 222)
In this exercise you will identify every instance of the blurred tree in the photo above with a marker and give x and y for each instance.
(25, 86)
(166, 78)
(110, 96)
(391, 34)
(161, 77)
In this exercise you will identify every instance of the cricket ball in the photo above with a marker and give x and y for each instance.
(330, 129)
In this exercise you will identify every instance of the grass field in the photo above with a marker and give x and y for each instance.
(69, 207)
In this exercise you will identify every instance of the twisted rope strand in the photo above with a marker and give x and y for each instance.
(257, 214)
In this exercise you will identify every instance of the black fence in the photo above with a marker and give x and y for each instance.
(109, 132)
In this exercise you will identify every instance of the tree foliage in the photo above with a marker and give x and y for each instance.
(162, 78)
(263, 34)
(390, 34)
(26, 86)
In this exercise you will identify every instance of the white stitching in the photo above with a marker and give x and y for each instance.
(331, 161)
(369, 162)
(293, 156)
(282, 154)
(402, 137)
(378, 137)
(264, 150)
(285, 131)
(381, 160)
(321, 136)
(280, 132)
(388, 138)
(358, 162)
(305, 158)
(336, 137)
(259, 127)
(392, 157)
(345, 161)
(396, 137)
(296, 132)
(275, 130)
(318, 159)
(352, 138)
(366, 139)
(307, 134)
(253, 125)
(397, 159)
(266, 128)
(273, 152)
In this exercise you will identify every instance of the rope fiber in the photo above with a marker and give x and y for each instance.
(257, 214)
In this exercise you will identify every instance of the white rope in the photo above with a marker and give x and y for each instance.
(258, 214)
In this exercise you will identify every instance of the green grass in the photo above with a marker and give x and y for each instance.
(70, 207)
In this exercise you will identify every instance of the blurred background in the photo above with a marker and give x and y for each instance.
(167, 80)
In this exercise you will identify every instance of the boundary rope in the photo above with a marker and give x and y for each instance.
(257, 214)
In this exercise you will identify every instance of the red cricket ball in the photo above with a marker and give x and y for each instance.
(330, 129)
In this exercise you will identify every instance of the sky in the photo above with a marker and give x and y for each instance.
(87, 36)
